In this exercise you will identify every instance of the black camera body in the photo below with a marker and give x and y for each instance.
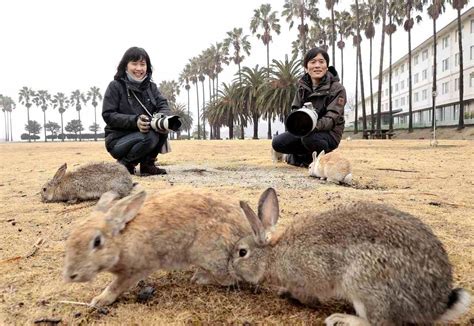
(303, 121)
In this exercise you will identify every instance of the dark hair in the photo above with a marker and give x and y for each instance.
(133, 54)
(314, 52)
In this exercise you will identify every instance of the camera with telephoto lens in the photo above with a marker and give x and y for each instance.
(163, 123)
(302, 121)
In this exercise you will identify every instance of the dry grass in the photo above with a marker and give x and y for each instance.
(435, 184)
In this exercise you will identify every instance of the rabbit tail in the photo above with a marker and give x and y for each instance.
(459, 301)
(348, 179)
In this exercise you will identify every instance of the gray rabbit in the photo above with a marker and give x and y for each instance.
(87, 182)
(387, 263)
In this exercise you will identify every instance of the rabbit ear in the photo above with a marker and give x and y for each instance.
(124, 211)
(60, 173)
(268, 209)
(257, 226)
(321, 154)
(105, 201)
(315, 155)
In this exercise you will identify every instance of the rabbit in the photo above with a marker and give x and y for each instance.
(169, 230)
(387, 263)
(278, 157)
(332, 167)
(87, 182)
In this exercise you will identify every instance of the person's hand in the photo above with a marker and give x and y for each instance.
(143, 123)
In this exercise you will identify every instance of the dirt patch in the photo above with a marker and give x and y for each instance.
(433, 183)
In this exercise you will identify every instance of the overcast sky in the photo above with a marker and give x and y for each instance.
(64, 45)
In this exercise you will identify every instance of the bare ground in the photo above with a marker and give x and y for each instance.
(435, 184)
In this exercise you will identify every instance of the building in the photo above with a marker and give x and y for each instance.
(447, 95)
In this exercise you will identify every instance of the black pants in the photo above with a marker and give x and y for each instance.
(303, 147)
(138, 147)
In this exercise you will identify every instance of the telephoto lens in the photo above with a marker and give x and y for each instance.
(162, 123)
(302, 121)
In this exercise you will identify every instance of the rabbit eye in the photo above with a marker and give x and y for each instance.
(242, 252)
(97, 242)
(44, 189)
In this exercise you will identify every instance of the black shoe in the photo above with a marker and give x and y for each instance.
(301, 160)
(151, 169)
(130, 167)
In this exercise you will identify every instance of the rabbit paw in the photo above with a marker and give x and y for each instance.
(103, 299)
(343, 319)
(202, 277)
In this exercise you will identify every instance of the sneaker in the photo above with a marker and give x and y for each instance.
(151, 169)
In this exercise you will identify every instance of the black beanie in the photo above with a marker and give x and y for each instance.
(314, 52)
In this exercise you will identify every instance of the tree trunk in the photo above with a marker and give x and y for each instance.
(356, 116)
(28, 117)
(95, 122)
(269, 131)
(461, 78)
(44, 125)
(372, 115)
(433, 94)
(11, 129)
(62, 128)
(197, 102)
(382, 48)
(333, 38)
(410, 106)
(80, 132)
(255, 126)
(364, 118)
(189, 128)
(203, 112)
(390, 108)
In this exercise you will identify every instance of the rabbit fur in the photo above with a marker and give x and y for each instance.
(87, 182)
(332, 167)
(278, 157)
(170, 230)
(387, 263)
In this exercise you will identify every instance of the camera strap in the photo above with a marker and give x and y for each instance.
(144, 108)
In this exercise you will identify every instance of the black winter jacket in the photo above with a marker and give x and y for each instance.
(121, 110)
(328, 99)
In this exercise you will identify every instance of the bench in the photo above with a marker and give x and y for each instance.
(378, 134)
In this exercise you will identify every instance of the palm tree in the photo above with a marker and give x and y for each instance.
(76, 99)
(361, 75)
(382, 48)
(194, 72)
(330, 6)
(202, 60)
(253, 83)
(458, 5)
(267, 20)
(344, 29)
(184, 78)
(408, 25)
(355, 41)
(395, 14)
(239, 44)
(300, 9)
(434, 10)
(224, 107)
(371, 15)
(95, 95)
(186, 120)
(3, 101)
(61, 102)
(277, 97)
(43, 99)
(25, 97)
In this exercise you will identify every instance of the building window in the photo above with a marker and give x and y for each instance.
(471, 79)
(386, 92)
(445, 42)
(415, 97)
(424, 74)
(445, 64)
(456, 84)
(415, 78)
(415, 60)
(402, 101)
(424, 94)
(402, 84)
(424, 55)
(402, 68)
(472, 26)
(445, 88)
(396, 87)
(472, 52)
(396, 70)
(456, 59)
(396, 103)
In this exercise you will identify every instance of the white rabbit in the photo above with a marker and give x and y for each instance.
(332, 166)
(278, 157)
(387, 263)
(87, 182)
(171, 230)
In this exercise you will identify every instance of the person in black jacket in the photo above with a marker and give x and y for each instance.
(129, 103)
(320, 85)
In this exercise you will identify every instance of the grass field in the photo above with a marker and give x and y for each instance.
(435, 184)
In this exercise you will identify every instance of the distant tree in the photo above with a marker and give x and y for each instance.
(42, 99)
(95, 96)
(186, 120)
(78, 98)
(33, 128)
(53, 128)
(197, 132)
(8, 105)
(61, 102)
(25, 97)
(74, 126)
(95, 127)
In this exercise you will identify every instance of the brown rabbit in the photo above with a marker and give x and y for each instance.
(170, 230)
(331, 166)
(387, 263)
(87, 182)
